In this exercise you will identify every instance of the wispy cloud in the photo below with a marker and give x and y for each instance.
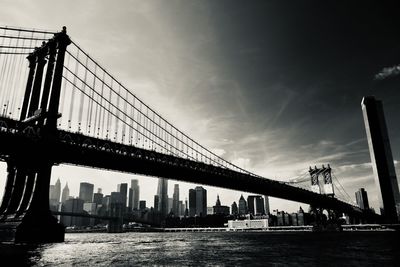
(388, 72)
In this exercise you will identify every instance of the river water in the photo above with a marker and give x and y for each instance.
(212, 249)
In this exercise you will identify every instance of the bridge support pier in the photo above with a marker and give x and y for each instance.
(26, 217)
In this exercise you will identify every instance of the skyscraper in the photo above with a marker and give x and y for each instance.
(65, 193)
(162, 192)
(242, 206)
(266, 206)
(57, 190)
(201, 201)
(255, 205)
(192, 202)
(381, 158)
(123, 190)
(134, 194)
(98, 197)
(175, 200)
(362, 199)
(86, 192)
(234, 208)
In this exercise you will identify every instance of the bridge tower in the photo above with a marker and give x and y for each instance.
(24, 213)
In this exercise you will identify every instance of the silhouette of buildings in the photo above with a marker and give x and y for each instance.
(175, 201)
(98, 197)
(123, 190)
(65, 193)
(381, 157)
(197, 202)
(134, 192)
(266, 205)
(234, 208)
(255, 205)
(219, 209)
(242, 206)
(86, 192)
(162, 192)
(362, 199)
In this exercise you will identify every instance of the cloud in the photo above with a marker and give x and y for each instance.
(388, 72)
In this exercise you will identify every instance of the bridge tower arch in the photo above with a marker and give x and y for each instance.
(24, 213)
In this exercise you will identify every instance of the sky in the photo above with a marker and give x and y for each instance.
(272, 86)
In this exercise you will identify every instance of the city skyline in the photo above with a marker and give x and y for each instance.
(272, 101)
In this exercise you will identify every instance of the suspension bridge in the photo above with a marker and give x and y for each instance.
(60, 106)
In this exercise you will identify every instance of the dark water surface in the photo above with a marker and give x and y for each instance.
(212, 249)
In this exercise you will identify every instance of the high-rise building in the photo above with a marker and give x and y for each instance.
(52, 197)
(57, 190)
(192, 202)
(86, 192)
(201, 201)
(242, 206)
(362, 199)
(219, 209)
(74, 205)
(162, 192)
(65, 193)
(175, 200)
(134, 195)
(255, 205)
(266, 205)
(123, 189)
(98, 197)
(142, 205)
(170, 201)
(234, 208)
(186, 208)
(198, 202)
(156, 202)
(381, 158)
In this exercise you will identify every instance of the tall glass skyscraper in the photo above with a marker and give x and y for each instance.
(162, 192)
(86, 192)
(381, 158)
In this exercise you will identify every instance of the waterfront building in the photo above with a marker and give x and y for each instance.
(123, 190)
(106, 202)
(162, 192)
(74, 205)
(234, 208)
(65, 193)
(90, 208)
(192, 202)
(98, 197)
(198, 202)
(86, 192)
(242, 206)
(362, 199)
(381, 158)
(181, 208)
(201, 201)
(219, 209)
(255, 205)
(266, 205)
(300, 217)
(210, 210)
(294, 219)
(234, 225)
